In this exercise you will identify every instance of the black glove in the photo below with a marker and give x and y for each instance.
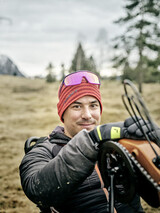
(127, 129)
(152, 132)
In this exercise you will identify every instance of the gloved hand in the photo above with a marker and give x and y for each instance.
(152, 132)
(127, 129)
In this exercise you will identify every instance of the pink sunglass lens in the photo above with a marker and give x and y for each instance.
(72, 80)
(92, 78)
(76, 78)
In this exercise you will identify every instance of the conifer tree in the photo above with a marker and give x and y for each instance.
(62, 71)
(141, 38)
(50, 76)
(81, 62)
(92, 65)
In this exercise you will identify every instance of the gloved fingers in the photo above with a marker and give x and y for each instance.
(146, 130)
(129, 121)
(133, 128)
(145, 127)
(137, 129)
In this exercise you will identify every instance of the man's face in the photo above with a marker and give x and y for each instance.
(84, 113)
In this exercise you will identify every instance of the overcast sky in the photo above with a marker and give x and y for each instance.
(36, 32)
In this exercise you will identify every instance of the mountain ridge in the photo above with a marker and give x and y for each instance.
(8, 67)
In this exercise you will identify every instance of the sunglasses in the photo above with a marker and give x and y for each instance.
(76, 78)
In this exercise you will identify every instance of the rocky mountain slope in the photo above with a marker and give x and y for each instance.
(8, 67)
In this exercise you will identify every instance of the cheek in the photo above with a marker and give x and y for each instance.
(71, 116)
(74, 116)
(97, 116)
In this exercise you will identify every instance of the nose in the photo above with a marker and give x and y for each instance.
(86, 113)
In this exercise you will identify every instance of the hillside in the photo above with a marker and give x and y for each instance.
(8, 67)
(28, 108)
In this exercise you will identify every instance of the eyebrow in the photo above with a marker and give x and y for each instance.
(91, 102)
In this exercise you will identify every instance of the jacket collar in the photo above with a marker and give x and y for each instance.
(57, 136)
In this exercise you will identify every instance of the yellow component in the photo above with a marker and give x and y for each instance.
(115, 132)
(99, 132)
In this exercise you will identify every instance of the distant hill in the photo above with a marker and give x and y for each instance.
(7, 67)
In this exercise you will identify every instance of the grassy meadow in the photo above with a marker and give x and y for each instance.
(28, 108)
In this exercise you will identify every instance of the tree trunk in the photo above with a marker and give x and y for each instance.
(140, 79)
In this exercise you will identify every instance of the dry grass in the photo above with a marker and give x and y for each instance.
(28, 108)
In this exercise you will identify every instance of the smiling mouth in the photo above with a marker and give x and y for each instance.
(87, 126)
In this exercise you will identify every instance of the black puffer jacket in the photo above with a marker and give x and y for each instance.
(63, 177)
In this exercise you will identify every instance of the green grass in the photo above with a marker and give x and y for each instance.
(29, 108)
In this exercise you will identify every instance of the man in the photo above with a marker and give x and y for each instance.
(58, 174)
